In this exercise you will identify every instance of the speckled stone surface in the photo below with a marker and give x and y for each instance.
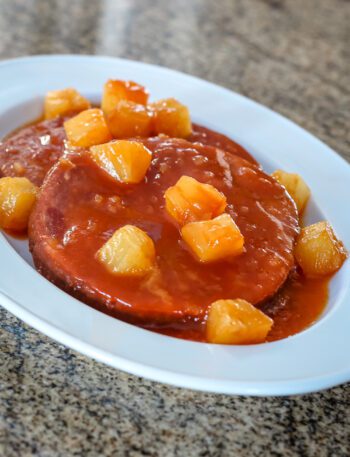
(292, 56)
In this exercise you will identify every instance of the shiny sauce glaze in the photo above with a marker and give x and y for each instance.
(81, 206)
(209, 137)
(296, 305)
(32, 150)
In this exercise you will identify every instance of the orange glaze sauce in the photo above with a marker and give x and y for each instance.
(298, 305)
(180, 288)
(295, 307)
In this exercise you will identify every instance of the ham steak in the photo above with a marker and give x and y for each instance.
(80, 206)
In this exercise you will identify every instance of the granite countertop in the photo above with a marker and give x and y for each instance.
(292, 56)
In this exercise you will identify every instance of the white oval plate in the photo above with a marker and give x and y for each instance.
(312, 360)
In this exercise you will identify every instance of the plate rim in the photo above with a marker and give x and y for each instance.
(284, 387)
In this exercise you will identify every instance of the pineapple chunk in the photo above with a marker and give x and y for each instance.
(190, 200)
(126, 161)
(215, 239)
(171, 118)
(236, 322)
(17, 197)
(130, 251)
(61, 102)
(87, 129)
(130, 119)
(295, 186)
(318, 251)
(115, 90)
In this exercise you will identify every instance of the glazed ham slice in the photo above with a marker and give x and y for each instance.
(81, 206)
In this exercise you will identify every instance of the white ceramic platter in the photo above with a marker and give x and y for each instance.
(312, 360)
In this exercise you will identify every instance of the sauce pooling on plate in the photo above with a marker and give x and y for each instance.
(296, 306)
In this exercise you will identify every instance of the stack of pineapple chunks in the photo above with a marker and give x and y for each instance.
(196, 208)
(124, 113)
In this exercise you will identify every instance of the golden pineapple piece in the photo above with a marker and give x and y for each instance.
(61, 102)
(126, 161)
(190, 200)
(130, 252)
(318, 251)
(115, 90)
(17, 197)
(171, 118)
(236, 322)
(129, 119)
(87, 129)
(295, 186)
(213, 240)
